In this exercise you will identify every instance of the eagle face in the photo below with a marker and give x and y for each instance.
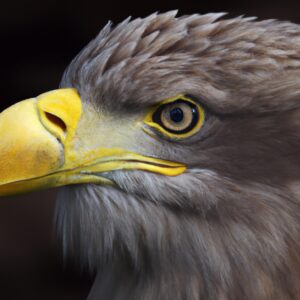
(181, 135)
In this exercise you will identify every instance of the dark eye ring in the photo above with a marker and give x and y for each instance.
(178, 117)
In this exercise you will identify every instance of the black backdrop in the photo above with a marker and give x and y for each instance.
(37, 40)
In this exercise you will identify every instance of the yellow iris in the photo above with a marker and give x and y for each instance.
(176, 118)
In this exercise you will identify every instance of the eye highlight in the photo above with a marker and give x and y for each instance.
(178, 117)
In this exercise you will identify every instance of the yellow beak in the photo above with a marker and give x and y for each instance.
(37, 148)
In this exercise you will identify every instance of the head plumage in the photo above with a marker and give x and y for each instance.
(124, 62)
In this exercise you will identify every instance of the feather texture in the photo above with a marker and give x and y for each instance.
(229, 227)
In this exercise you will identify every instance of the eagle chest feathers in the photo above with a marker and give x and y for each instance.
(177, 141)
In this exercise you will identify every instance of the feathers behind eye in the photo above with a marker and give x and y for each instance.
(226, 228)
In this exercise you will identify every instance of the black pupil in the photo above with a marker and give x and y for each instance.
(176, 115)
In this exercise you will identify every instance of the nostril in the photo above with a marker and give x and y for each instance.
(59, 112)
(56, 121)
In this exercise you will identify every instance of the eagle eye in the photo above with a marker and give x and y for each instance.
(177, 118)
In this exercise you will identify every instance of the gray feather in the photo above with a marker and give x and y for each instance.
(228, 228)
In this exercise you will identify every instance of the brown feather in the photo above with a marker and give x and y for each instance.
(228, 228)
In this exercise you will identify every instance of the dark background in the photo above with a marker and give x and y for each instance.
(37, 40)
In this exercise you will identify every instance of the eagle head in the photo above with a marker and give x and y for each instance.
(177, 141)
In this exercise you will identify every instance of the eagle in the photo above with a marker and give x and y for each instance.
(176, 143)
